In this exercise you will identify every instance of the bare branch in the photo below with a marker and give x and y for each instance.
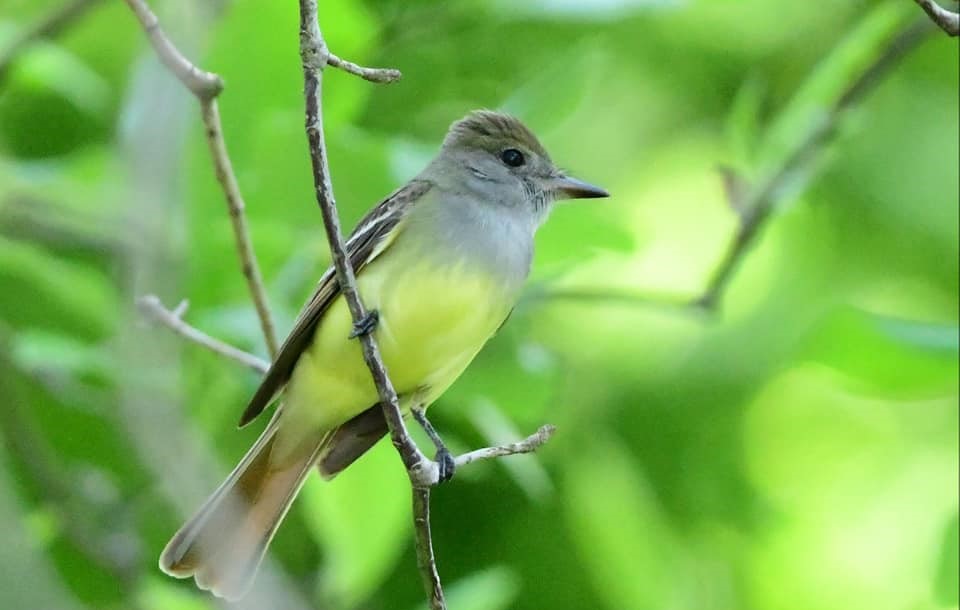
(374, 75)
(948, 21)
(314, 56)
(151, 307)
(241, 232)
(48, 27)
(758, 204)
(206, 86)
(527, 445)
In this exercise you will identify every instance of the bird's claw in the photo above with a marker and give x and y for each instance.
(366, 324)
(446, 463)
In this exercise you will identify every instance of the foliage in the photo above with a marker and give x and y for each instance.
(798, 450)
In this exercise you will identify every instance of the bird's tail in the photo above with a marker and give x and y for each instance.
(223, 544)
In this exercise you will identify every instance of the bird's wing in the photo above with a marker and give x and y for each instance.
(374, 233)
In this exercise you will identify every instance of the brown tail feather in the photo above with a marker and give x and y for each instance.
(222, 545)
(350, 441)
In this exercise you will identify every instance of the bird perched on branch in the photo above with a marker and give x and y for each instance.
(440, 264)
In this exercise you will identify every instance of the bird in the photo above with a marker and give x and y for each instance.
(440, 264)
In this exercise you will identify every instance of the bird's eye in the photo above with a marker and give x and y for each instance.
(512, 157)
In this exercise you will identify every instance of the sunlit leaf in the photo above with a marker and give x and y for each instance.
(947, 584)
(809, 106)
(621, 531)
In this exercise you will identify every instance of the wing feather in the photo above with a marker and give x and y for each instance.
(371, 237)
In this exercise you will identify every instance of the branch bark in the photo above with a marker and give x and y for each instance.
(947, 20)
(206, 86)
(151, 307)
(314, 57)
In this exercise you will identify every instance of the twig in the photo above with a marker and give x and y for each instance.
(948, 21)
(206, 86)
(151, 307)
(48, 27)
(527, 445)
(759, 203)
(314, 56)
(374, 75)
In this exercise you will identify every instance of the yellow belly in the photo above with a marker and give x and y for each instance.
(433, 321)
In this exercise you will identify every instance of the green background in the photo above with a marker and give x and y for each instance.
(795, 450)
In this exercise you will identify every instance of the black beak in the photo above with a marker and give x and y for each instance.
(571, 188)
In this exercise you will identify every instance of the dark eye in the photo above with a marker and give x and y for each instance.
(512, 157)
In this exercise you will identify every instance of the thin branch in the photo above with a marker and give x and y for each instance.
(151, 307)
(758, 204)
(48, 27)
(374, 75)
(241, 232)
(206, 86)
(314, 56)
(423, 472)
(948, 21)
(528, 445)
(426, 560)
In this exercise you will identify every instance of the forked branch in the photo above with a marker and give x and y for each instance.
(206, 86)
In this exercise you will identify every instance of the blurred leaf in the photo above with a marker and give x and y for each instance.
(53, 293)
(491, 589)
(40, 351)
(500, 376)
(555, 90)
(620, 531)
(810, 105)
(743, 124)
(158, 593)
(362, 520)
(944, 338)
(578, 231)
(947, 585)
(51, 103)
(887, 354)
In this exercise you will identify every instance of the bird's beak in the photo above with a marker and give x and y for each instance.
(571, 188)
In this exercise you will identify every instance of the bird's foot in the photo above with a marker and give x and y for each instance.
(447, 465)
(366, 324)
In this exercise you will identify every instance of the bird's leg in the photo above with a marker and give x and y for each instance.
(443, 457)
(366, 324)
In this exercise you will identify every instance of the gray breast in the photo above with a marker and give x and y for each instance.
(461, 229)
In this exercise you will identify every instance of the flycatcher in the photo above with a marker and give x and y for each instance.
(440, 264)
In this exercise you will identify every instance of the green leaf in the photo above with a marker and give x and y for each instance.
(42, 290)
(811, 104)
(164, 594)
(743, 123)
(491, 589)
(40, 350)
(886, 354)
(621, 531)
(51, 103)
(947, 583)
